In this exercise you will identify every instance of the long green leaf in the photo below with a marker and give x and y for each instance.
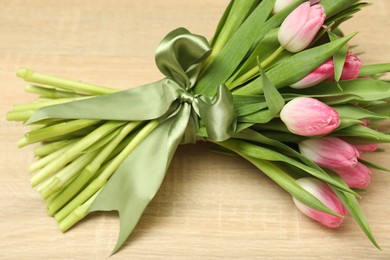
(296, 67)
(246, 105)
(234, 15)
(363, 89)
(272, 96)
(283, 179)
(263, 153)
(370, 70)
(357, 112)
(364, 133)
(353, 207)
(252, 31)
(383, 109)
(338, 58)
(374, 166)
(333, 7)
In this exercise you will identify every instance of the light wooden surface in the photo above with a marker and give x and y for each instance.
(209, 206)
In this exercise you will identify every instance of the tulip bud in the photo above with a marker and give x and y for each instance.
(301, 26)
(323, 193)
(358, 176)
(351, 68)
(366, 148)
(329, 152)
(281, 4)
(322, 73)
(308, 117)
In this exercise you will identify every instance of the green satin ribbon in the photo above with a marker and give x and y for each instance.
(179, 57)
(180, 112)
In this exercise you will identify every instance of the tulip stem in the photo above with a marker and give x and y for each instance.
(101, 180)
(68, 85)
(52, 92)
(255, 70)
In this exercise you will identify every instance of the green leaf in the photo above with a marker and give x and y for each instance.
(347, 122)
(338, 58)
(333, 7)
(296, 67)
(273, 98)
(345, 14)
(256, 151)
(383, 109)
(246, 105)
(251, 31)
(370, 70)
(363, 89)
(279, 176)
(353, 207)
(266, 47)
(374, 166)
(221, 23)
(258, 117)
(234, 15)
(283, 137)
(364, 133)
(357, 112)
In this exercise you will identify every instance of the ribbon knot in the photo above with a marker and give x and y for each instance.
(187, 97)
(179, 57)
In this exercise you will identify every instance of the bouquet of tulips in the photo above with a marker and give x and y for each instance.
(278, 85)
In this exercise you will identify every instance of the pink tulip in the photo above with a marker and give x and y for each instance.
(329, 152)
(358, 176)
(281, 4)
(323, 193)
(351, 68)
(320, 74)
(301, 26)
(308, 117)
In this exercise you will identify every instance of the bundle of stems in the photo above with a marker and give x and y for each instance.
(75, 157)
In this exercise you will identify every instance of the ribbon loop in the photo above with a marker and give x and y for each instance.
(180, 55)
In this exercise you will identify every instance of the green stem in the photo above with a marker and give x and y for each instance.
(57, 181)
(99, 182)
(74, 151)
(255, 70)
(51, 92)
(37, 105)
(90, 171)
(58, 130)
(50, 157)
(47, 149)
(61, 83)
(20, 116)
(78, 214)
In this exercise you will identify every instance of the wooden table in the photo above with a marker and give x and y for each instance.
(210, 206)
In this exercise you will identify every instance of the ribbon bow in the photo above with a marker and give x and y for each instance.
(179, 57)
(179, 111)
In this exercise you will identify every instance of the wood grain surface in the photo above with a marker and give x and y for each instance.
(209, 206)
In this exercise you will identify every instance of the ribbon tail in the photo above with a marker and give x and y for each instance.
(218, 115)
(146, 102)
(139, 177)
